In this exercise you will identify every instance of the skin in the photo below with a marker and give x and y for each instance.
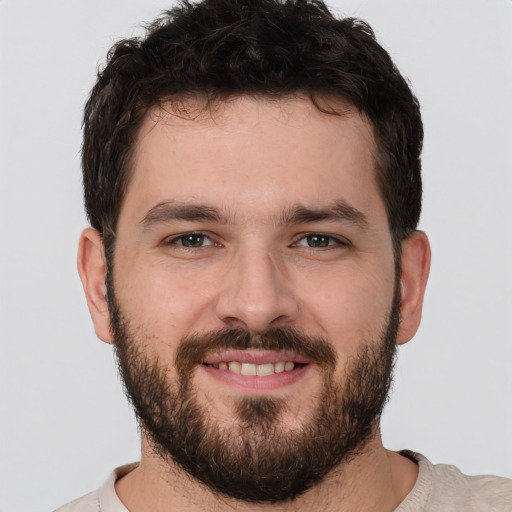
(254, 161)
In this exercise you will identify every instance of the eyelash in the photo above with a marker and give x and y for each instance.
(181, 238)
(332, 241)
(329, 239)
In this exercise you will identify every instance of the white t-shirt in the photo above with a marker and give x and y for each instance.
(439, 488)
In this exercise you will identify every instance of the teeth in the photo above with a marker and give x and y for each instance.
(288, 366)
(279, 367)
(265, 369)
(261, 370)
(248, 369)
(235, 367)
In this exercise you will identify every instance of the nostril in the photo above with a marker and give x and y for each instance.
(255, 301)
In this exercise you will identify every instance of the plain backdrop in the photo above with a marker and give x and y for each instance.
(64, 420)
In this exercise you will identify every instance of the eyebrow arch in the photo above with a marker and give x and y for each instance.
(339, 210)
(168, 211)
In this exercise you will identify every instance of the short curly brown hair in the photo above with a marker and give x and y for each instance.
(220, 48)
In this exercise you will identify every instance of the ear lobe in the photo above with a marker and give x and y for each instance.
(92, 270)
(413, 281)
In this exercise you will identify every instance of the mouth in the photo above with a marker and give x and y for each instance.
(258, 370)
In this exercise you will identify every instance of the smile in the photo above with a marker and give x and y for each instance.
(257, 370)
(260, 370)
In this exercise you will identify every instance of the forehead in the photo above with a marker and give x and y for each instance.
(248, 150)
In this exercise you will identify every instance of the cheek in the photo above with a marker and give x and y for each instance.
(350, 308)
(167, 304)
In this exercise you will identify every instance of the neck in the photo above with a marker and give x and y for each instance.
(376, 479)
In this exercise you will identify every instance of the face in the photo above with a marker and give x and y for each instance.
(254, 283)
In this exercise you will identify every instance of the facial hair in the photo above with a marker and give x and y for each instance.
(256, 459)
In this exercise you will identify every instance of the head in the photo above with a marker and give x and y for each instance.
(252, 177)
(218, 49)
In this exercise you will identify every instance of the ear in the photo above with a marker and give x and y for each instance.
(93, 271)
(415, 269)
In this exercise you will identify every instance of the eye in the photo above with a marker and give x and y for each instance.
(319, 241)
(191, 240)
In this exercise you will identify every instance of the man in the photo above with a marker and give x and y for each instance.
(252, 178)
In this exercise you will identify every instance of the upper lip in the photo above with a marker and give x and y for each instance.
(255, 357)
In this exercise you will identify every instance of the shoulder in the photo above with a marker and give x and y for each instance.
(482, 492)
(88, 503)
(104, 499)
(445, 487)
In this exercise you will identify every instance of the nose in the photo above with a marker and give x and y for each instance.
(256, 294)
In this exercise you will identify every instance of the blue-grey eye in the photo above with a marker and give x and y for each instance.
(194, 240)
(318, 240)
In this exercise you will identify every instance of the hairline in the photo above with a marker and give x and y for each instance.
(207, 104)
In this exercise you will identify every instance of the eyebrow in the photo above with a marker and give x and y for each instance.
(338, 211)
(168, 211)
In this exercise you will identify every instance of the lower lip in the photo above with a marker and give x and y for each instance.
(256, 383)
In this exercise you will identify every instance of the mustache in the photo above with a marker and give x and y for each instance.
(195, 349)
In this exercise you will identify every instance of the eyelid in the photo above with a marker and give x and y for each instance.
(339, 241)
(174, 239)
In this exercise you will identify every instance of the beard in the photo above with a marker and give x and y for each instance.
(252, 457)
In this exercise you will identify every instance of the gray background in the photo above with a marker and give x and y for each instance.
(65, 423)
